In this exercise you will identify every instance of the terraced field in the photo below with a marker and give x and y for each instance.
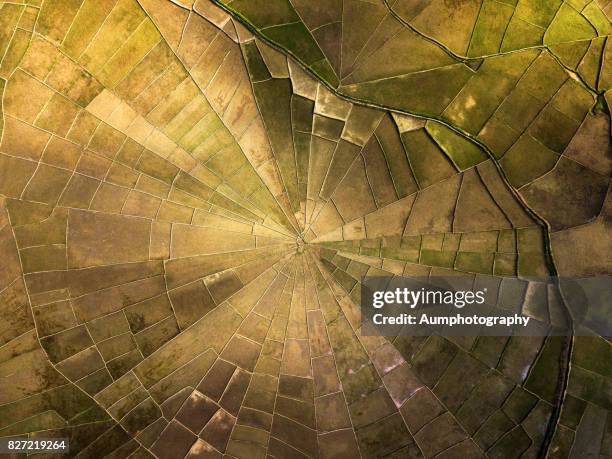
(191, 192)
